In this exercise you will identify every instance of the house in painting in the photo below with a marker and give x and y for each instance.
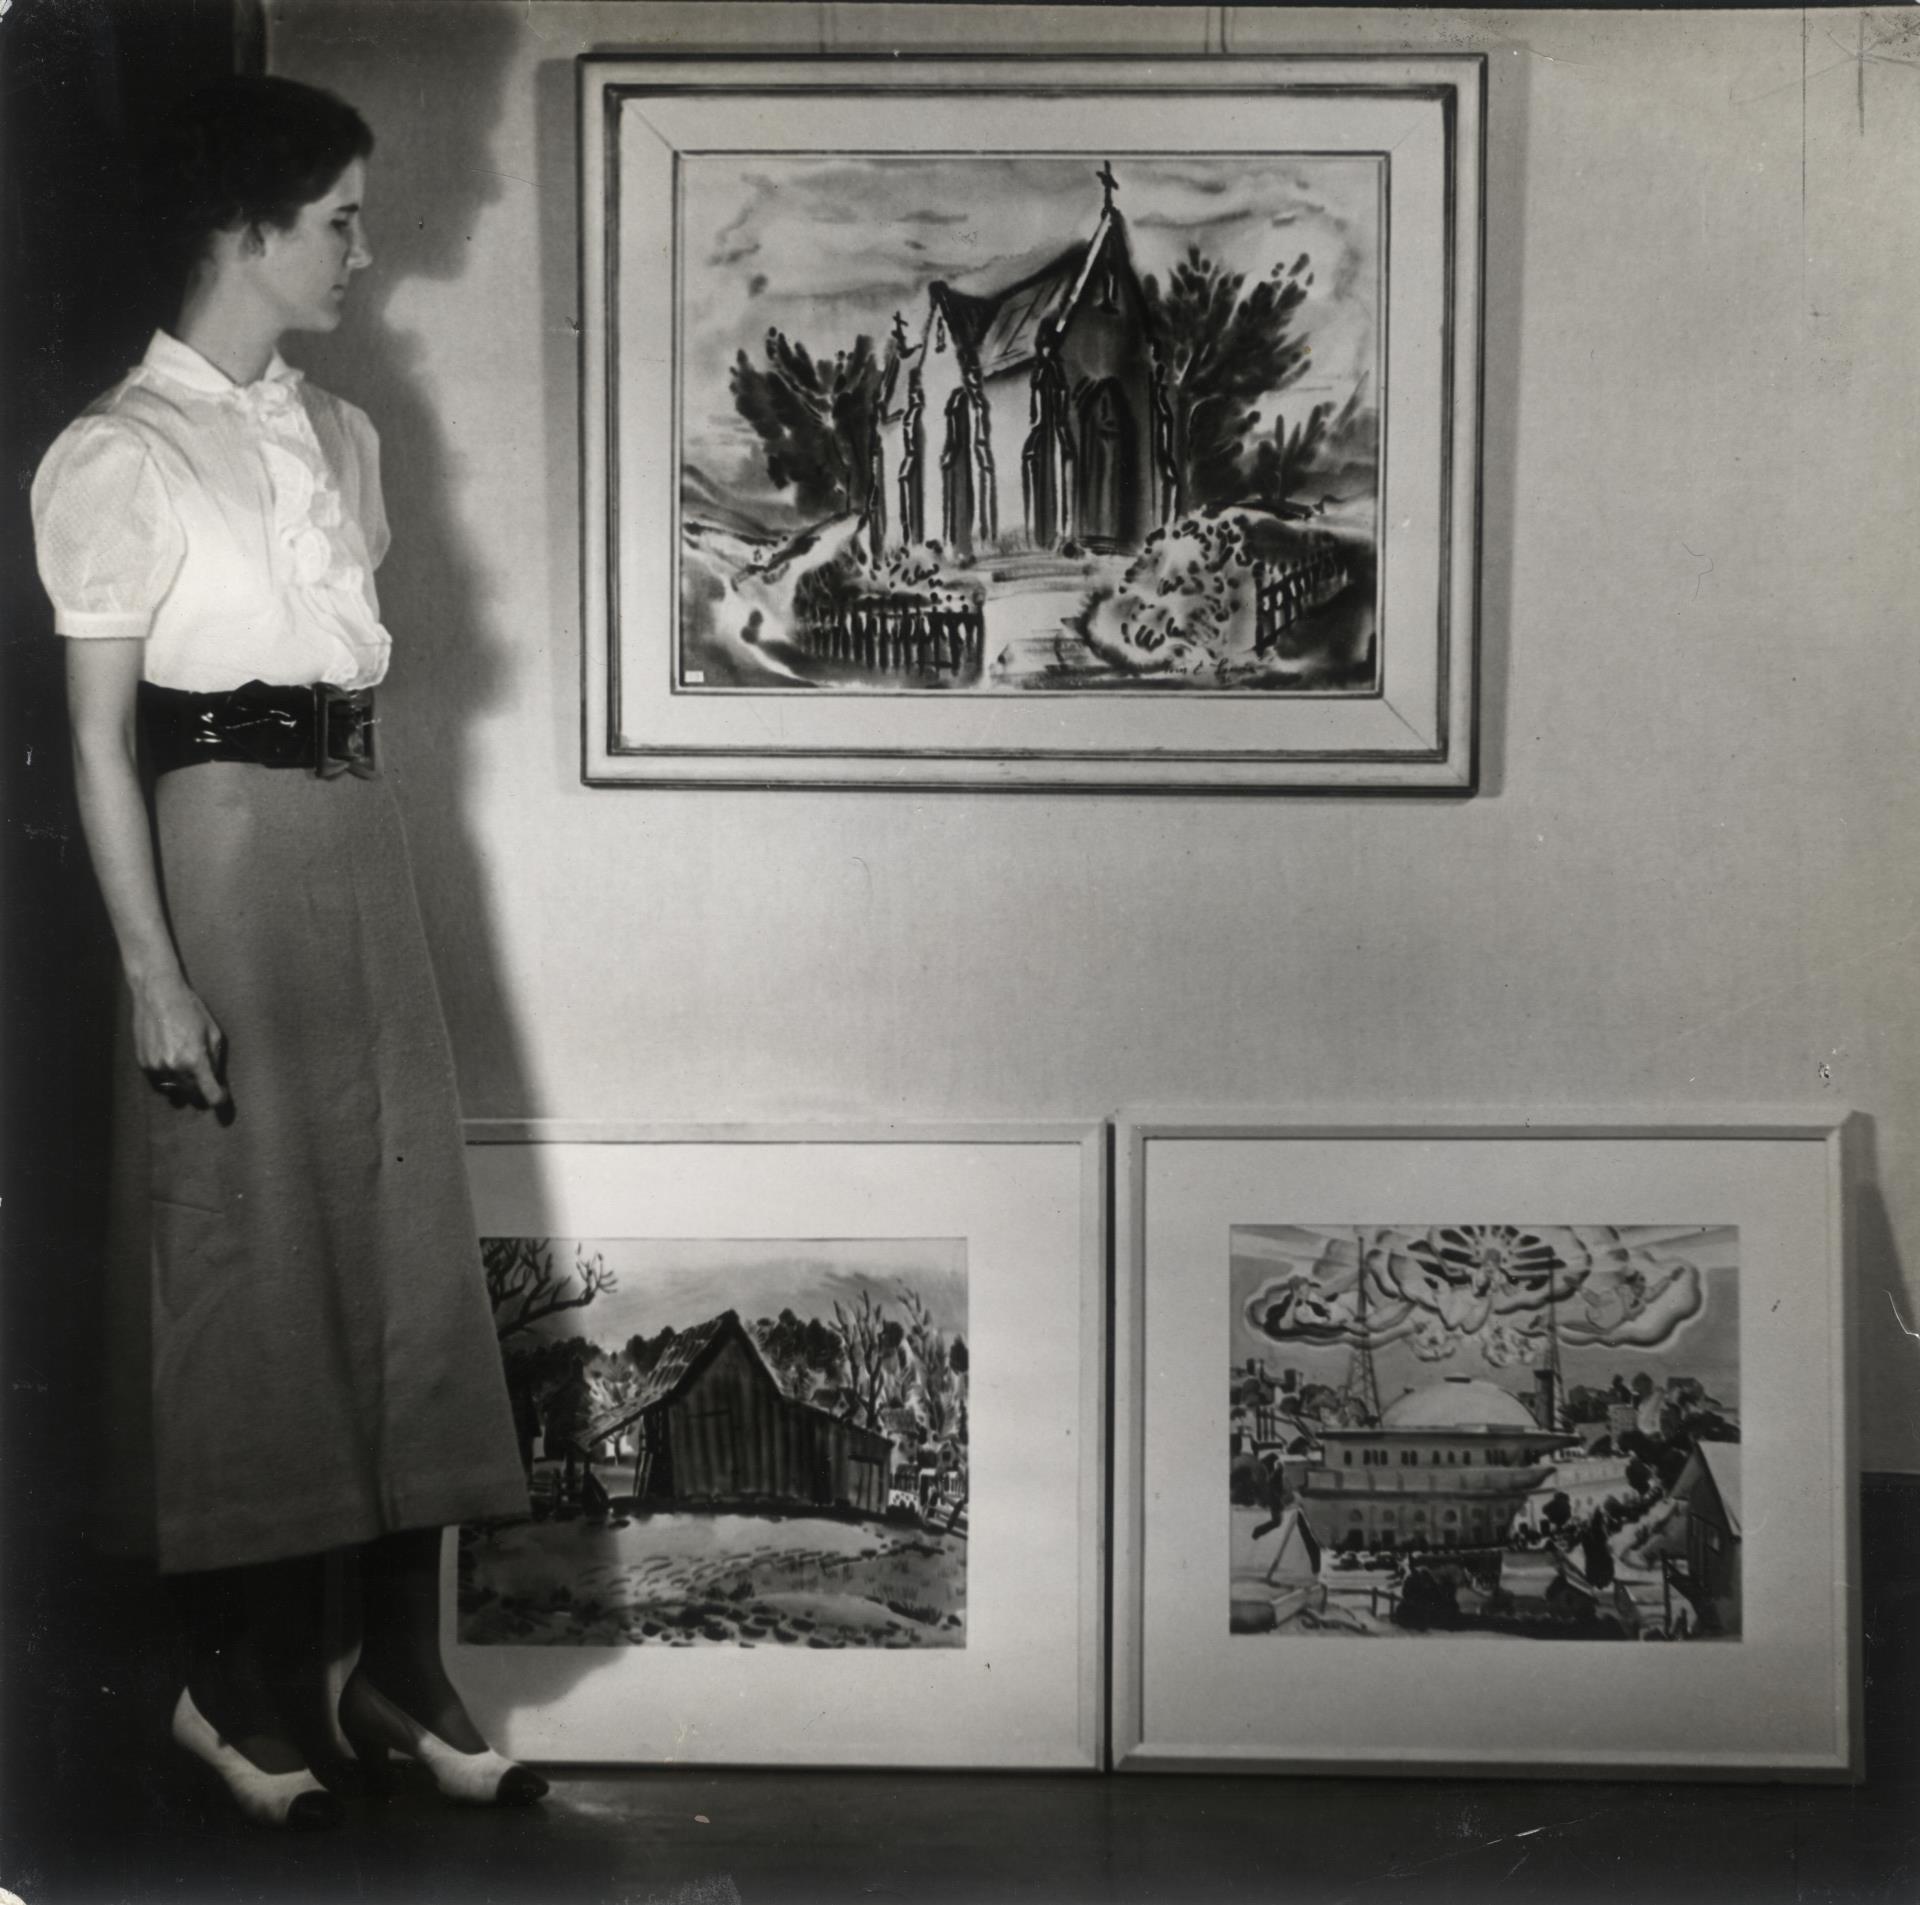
(1587, 1481)
(1295, 1554)
(1446, 1466)
(1027, 407)
(1707, 1497)
(711, 1424)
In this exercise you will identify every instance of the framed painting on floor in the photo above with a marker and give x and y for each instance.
(1484, 1447)
(813, 1426)
(1098, 424)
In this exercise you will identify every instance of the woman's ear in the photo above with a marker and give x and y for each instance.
(253, 241)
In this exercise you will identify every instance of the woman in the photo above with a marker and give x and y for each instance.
(304, 1343)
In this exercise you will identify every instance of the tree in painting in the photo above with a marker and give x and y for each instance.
(815, 419)
(524, 1287)
(774, 1453)
(1521, 1431)
(808, 1356)
(1221, 351)
(871, 1341)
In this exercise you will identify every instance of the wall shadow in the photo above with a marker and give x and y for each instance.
(1886, 1346)
(430, 185)
(1886, 1360)
(435, 89)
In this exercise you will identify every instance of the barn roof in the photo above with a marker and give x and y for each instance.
(677, 1360)
(679, 1363)
(675, 1369)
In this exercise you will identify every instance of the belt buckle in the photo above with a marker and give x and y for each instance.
(355, 754)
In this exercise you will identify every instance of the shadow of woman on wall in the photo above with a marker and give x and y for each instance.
(430, 186)
(435, 93)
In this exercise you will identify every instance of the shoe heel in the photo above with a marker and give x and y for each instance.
(372, 1725)
(371, 1756)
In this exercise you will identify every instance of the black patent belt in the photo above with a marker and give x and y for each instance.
(324, 729)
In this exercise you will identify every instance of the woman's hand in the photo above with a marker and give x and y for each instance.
(175, 1038)
(178, 1045)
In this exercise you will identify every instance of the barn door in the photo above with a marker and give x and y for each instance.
(652, 1459)
(714, 1438)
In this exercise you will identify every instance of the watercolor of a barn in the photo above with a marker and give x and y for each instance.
(711, 1424)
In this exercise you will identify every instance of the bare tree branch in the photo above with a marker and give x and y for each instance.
(872, 1343)
(524, 1286)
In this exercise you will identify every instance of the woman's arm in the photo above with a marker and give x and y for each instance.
(174, 1036)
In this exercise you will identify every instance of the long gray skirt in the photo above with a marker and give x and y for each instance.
(302, 1353)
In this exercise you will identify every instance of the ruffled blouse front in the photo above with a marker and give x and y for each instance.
(233, 528)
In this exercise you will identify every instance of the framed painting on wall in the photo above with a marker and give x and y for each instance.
(1031, 424)
(813, 1425)
(1484, 1448)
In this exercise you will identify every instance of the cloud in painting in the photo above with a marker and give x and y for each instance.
(1637, 1307)
(1494, 1284)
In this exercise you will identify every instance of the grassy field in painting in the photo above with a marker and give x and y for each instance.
(681, 1580)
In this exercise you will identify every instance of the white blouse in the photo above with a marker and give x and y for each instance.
(235, 529)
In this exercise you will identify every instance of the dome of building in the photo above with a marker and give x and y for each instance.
(1461, 1402)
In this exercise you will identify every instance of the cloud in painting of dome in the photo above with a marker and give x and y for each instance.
(1460, 1402)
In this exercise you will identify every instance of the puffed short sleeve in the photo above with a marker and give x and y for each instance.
(108, 541)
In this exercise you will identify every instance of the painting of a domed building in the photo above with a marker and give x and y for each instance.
(1005, 424)
(1450, 1464)
(1513, 1431)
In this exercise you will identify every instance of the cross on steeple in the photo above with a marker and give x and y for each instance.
(1109, 182)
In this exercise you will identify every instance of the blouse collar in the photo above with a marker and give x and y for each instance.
(168, 357)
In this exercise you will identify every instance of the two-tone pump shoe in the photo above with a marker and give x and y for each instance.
(375, 1728)
(293, 1801)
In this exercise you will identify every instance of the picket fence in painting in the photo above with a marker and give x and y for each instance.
(729, 1443)
(997, 423)
(1485, 1430)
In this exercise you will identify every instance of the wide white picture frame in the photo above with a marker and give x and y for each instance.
(1779, 1701)
(1024, 1207)
(652, 130)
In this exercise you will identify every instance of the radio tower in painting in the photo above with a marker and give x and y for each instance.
(1549, 1388)
(1362, 1385)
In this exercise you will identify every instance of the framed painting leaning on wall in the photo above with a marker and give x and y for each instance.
(1031, 423)
(813, 1426)
(1485, 1448)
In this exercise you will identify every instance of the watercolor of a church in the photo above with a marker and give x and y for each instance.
(1028, 409)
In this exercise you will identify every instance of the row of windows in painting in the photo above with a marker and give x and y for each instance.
(1417, 1517)
(1450, 1458)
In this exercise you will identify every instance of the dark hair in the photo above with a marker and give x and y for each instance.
(244, 152)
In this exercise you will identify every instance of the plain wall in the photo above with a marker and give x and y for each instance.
(1683, 883)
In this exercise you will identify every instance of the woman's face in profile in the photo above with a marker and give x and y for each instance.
(305, 269)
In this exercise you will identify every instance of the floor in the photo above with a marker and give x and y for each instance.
(83, 1825)
(692, 1839)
